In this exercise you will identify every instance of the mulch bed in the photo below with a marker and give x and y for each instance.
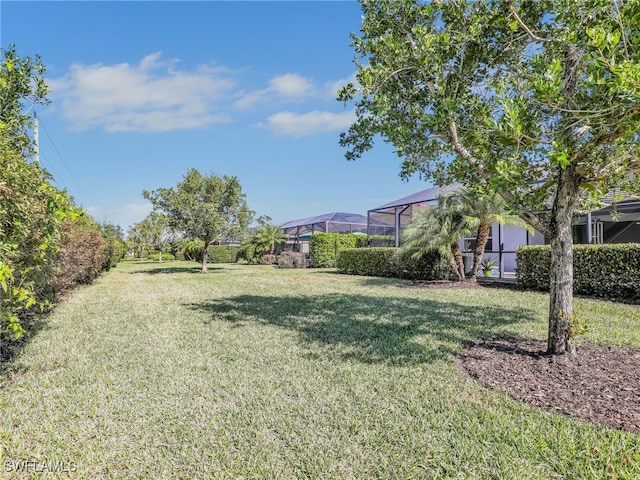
(600, 385)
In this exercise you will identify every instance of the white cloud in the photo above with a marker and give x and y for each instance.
(299, 125)
(152, 96)
(286, 87)
(332, 88)
(123, 215)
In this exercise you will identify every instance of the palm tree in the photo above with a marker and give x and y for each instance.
(438, 228)
(267, 237)
(481, 208)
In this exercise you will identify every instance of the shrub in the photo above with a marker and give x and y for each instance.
(83, 254)
(292, 260)
(607, 271)
(268, 259)
(430, 266)
(373, 262)
(217, 253)
(324, 247)
(155, 257)
(223, 253)
(392, 262)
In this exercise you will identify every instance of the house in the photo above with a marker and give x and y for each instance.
(617, 222)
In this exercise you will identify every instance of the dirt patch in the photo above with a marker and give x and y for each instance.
(601, 385)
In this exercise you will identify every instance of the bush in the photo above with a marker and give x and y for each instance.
(392, 262)
(324, 247)
(83, 255)
(155, 257)
(373, 262)
(607, 271)
(223, 253)
(430, 266)
(292, 260)
(194, 250)
(268, 259)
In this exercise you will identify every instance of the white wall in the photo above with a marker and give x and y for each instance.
(512, 238)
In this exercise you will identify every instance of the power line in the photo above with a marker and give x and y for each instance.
(63, 161)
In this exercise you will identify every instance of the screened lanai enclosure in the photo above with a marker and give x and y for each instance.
(337, 222)
(617, 222)
(397, 213)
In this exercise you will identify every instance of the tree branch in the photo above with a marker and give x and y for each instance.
(461, 150)
(530, 34)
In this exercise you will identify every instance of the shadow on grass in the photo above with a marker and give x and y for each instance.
(370, 329)
(169, 270)
(10, 349)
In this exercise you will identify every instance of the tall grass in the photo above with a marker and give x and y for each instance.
(159, 372)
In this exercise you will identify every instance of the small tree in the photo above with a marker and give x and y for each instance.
(482, 208)
(438, 228)
(209, 208)
(267, 237)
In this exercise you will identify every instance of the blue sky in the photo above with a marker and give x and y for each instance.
(142, 91)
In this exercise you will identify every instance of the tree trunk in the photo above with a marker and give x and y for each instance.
(561, 338)
(482, 236)
(458, 261)
(205, 257)
(160, 256)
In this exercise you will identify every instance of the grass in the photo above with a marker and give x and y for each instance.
(158, 372)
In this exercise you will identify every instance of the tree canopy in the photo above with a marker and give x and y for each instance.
(205, 207)
(537, 100)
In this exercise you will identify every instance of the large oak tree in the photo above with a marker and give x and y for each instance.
(538, 100)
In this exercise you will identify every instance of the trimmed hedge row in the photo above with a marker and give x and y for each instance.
(324, 247)
(392, 262)
(217, 253)
(223, 253)
(608, 271)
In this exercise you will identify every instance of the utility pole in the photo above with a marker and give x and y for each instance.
(36, 139)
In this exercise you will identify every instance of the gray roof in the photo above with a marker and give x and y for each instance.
(429, 195)
(333, 218)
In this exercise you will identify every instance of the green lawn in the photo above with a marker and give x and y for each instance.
(159, 372)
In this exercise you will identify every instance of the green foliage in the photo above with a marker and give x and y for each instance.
(166, 256)
(373, 262)
(265, 240)
(324, 247)
(194, 251)
(534, 100)
(153, 232)
(117, 246)
(22, 86)
(393, 262)
(606, 271)
(430, 266)
(292, 260)
(209, 208)
(224, 253)
(267, 237)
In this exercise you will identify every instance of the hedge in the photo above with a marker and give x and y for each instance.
(223, 253)
(324, 247)
(392, 262)
(607, 271)
(155, 257)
